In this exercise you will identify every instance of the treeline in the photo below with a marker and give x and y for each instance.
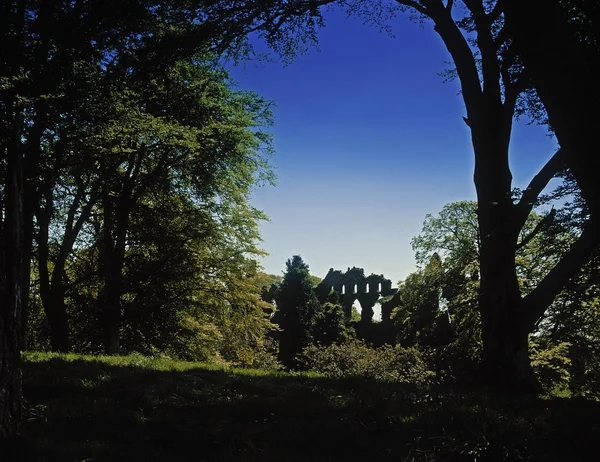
(129, 159)
(435, 328)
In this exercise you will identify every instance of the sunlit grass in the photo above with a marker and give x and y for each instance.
(159, 364)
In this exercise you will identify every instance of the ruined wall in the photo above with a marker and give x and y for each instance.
(353, 285)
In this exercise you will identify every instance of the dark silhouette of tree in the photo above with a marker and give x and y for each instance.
(332, 325)
(492, 85)
(558, 44)
(297, 310)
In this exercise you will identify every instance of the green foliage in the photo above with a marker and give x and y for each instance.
(355, 359)
(269, 286)
(264, 357)
(331, 325)
(453, 235)
(419, 305)
(314, 280)
(575, 319)
(174, 161)
(457, 348)
(551, 365)
(355, 315)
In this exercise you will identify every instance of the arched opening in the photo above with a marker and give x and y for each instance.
(367, 288)
(356, 311)
(379, 287)
(377, 312)
(343, 290)
(355, 290)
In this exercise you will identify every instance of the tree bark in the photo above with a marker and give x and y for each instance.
(112, 317)
(112, 259)
(506, 362)
(51, 286)
(11, 268)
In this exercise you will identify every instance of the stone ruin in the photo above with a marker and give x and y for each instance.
(353, 285)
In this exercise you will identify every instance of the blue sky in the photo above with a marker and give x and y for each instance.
(368, 140)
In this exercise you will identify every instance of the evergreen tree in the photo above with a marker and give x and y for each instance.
(297, 309)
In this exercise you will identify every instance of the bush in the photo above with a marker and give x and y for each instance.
(551, 365)
(355, 359)
(264, 356)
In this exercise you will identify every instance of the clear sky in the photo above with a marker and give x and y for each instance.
(368, 140)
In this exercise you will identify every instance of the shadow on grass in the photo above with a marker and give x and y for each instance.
(90, 410)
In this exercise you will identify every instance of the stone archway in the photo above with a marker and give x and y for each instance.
(352, 285)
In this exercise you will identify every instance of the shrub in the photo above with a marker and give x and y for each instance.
(264, 357)
(551, 365)
(355, 359)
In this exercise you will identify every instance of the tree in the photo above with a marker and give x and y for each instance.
(331, 325)
(297, 309)
(492, 87)
(454, 235)
(419, 305)
(43, 46)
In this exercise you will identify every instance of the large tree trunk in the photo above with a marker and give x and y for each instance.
(10, 379)
(506, 362)
(112, 260)
(11, 267)
(53, 302)
(26, 286)
(54, 307)
(489, 116)
(31, 198)
(51, 286)
(112, 315)
(505, 334)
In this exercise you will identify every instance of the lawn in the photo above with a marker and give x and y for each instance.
(84, 408)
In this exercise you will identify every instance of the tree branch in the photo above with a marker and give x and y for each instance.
(538, 183)
(496, 11)
(544, 223)
(416, 5)
(537, 301)
(490, 63)
(461, 53)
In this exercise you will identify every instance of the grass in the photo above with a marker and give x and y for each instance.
(84, 408)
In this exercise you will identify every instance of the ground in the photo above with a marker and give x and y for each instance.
(134, 408)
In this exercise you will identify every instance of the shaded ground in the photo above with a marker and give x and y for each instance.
(86, 409)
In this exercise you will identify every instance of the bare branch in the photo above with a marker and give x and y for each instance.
(416, 5)
(476, 8)
(496, 11)
(488, 47)
(512, 90)
(544, 223)
(538, 183)
(502, 37)
(461, 52)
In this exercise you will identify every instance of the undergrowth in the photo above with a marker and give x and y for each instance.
(93, 408)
